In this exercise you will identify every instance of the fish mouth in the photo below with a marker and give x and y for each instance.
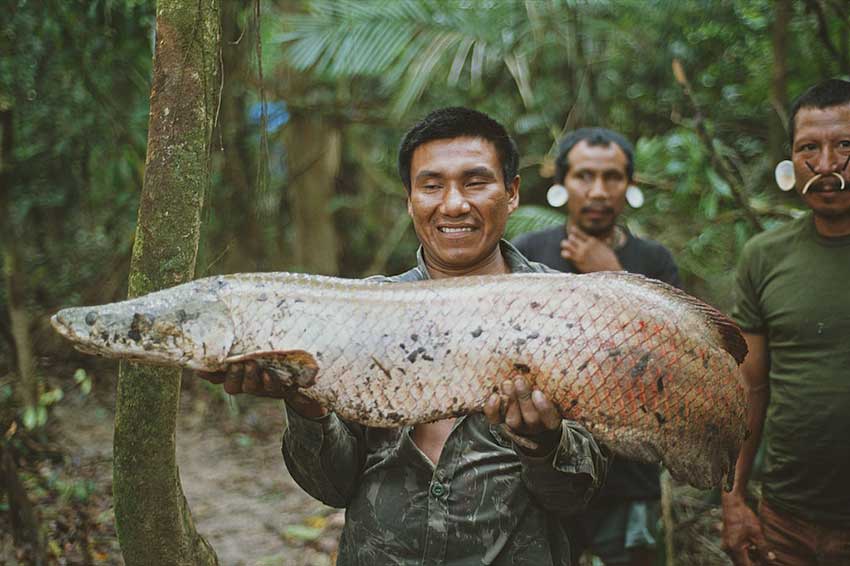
(61, 326)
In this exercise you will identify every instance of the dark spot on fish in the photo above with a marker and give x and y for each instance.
(263, 297)
(447, 332)
(414, 337)
(517, 327)
(522, 368)
(614, 352)
(640, 367)
(134, 335)
(564, 372)
(448, 352)
(318, 355)
(660, 418)
(548, 339)
(402, 373)
(705, 362)
(573, 403)
(535, 305)
(519, 342)
(584, 365)
(403, 347)
(393, 416)
(280, 302)
(454, 400)
(299, 300)
(477, 332)
(414, 354)
(91, 318)
(682, 411)
(691, 352)
(427, 358)
(643, 409)
(533, 336)
(104, 336)
(569, 324)
(659, 383)
(383, 369)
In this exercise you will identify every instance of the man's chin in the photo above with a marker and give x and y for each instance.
(596, 230)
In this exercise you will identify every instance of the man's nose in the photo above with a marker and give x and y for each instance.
(597, 190)
(454, 202)
(827, 161)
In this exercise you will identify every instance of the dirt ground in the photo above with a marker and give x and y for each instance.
(242, 499)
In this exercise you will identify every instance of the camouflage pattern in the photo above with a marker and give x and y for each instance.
(484, 503)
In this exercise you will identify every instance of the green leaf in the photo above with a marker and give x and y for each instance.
(302, 532)
(530, 218)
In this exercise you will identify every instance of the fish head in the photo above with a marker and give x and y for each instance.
(173, 327)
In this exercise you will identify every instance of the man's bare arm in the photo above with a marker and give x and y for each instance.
(742, 534)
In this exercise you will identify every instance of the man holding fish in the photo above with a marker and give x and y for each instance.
(483, 488)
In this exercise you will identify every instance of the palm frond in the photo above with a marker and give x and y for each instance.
(530, 218)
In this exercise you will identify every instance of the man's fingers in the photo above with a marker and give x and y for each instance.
(530, 417)
(233, 379)
(549, 415)
(492, 409)
(252, 382)
(513, 416)
(215, 377)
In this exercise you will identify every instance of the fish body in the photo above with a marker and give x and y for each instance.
(650, 371)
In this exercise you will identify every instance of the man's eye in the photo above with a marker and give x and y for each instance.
(807, 147)
(844, 144)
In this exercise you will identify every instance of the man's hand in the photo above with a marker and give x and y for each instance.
(588, 254)
(743, 539)
(249, 378)
(526, 413)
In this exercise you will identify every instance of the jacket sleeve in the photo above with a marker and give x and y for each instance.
(565, 480)
(325, 456)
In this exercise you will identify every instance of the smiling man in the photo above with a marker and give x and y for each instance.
(792, 305)
(456, 491)
(596, 166)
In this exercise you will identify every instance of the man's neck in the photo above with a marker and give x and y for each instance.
(493, 264)
(832, 227)
(615, 238)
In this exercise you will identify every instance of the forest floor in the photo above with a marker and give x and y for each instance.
(243, 501)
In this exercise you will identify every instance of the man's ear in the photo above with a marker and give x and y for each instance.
(513, 194)
(409, 207)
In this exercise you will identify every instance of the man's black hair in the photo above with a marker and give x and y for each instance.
(593, 136)
(455, 122)
(826, 94)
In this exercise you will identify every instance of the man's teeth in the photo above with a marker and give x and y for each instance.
(455, 230)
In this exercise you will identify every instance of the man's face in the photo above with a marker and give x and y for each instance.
(596, 183)
(458, 201)
(822, 146)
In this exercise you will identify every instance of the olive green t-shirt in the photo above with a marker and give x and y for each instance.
(794, 288)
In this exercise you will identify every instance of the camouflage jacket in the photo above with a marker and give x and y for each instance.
(485, 502)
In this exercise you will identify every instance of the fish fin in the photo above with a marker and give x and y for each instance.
(293, 366)
(731, 338)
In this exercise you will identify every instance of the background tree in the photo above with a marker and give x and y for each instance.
(153, 519)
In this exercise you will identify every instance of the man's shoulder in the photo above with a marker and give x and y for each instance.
(538, 237)
(775, 240)
(412, 274)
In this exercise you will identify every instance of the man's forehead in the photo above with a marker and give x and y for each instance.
(454, 151)
(597, 155)
(810, 119)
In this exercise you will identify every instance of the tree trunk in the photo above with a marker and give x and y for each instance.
(778, 138)
(153, 520)
(314, 150)
(26, 530)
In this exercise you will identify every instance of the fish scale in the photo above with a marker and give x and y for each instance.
(650, 371)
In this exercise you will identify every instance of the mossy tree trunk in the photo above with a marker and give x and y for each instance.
(153, 519)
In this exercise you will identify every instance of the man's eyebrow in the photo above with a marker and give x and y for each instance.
(480, 171)
(425, 174)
